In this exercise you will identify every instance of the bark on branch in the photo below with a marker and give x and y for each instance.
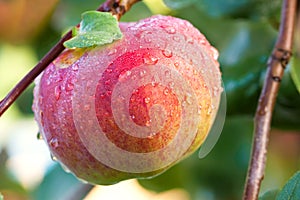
(276, 65)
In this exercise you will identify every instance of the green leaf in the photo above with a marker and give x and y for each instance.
(96, 28)
(177, 4)
(269, 195)
(57, 184)
(291, 190)
(295, 71)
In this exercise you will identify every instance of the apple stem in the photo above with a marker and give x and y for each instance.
(116, 7)
(276, 64)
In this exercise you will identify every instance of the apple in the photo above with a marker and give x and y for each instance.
(132, 108)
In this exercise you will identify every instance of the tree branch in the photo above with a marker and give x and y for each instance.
(116, 7)
(276, 65)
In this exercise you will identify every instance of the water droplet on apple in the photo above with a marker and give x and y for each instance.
(150, 60)
(54, 143)
(176, 38)
(190, 40)
(167, 53)
(171, 85)
(170, 30)
(215, 91)
(112, 51)
(148, 123)
(215, 53)
(57, 92)
(188, 98)
(199, 109)
(39, 136)
(109, 70)
(75, 67)
(69, 86)
(128, 73)
(142, 73)
(147, 39)
(53, 157)
(147, 100)
(166, 91)
(176, 64)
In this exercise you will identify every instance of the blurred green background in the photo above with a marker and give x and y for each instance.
(243, 31)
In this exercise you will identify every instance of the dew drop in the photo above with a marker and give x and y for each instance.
(147, 100)
(150, 60)
(128, 73)
(154, 81)
(53, 143)
(142, 73)
(209, 111)
(53, 157)
(215, 53)
(112, 51)
(170, 30)
(75, 67)
(167, 53)
(215, 91)
(213, 107)
(57, 92)
(176, 64)
(176, 38)
(39, 136)
(147, 39)
(148, 123)
(109, 70)
(166, 91)
(132, 116)
(190, 40)
(171, 85)
(69, 86)
(188, 98)
(151, 135)
(199, 109)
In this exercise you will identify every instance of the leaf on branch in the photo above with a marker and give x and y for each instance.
(291, 190)
(269, 195)
(295, 71)
(96, 28)
(177, 4)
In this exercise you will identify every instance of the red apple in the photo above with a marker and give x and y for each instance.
(133, 108)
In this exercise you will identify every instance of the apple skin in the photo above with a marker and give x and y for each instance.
(133, 108)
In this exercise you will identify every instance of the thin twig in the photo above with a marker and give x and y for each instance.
(116, 7)
(276, 65)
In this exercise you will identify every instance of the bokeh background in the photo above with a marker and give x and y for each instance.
(243, 31)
